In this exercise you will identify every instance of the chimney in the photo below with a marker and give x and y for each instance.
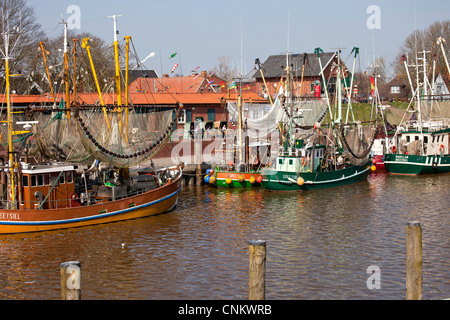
(165, 75)
(204, 74)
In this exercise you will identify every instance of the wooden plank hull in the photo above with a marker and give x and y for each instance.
(153, 202)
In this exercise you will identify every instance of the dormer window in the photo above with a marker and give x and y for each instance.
(395, 89)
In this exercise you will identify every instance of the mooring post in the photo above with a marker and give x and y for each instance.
(413, 261)
(257, 270)
(198, 160)
(71, 280)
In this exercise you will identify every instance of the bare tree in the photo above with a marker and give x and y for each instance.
(19, 20)
(224, 70)
(102, 56)
(420, 40)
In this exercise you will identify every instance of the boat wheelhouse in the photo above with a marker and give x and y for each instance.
(47, 187)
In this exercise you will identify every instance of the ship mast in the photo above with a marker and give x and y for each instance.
(66, 70)
(116, 55)
(12, 163)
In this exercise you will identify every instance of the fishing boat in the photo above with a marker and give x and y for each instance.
(422, 139)
(315, 158)
(240, 171)
(49, 195)
(384, 134)
(248, 150)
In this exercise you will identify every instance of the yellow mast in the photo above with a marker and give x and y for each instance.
(12, 164)
(86, 46)
(46, 68)
(66, 71)
(127, 51)
(74, 71)
(116, 56)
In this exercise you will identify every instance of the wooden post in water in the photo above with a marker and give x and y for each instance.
(413, 261)
(257, 270)
(71, 280)
(198, 158)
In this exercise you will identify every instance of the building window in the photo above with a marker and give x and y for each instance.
(395, 89)
(182, 117)
(211, 115)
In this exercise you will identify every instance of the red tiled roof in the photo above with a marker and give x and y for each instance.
(137, 98)
(190, 84)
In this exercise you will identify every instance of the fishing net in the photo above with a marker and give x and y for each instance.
(112, 136)
(357, 141)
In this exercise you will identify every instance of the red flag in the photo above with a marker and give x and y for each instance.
(317, 91)
(372, 85)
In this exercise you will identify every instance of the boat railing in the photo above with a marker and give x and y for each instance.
(63, 203)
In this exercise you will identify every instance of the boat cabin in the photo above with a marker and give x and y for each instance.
(306, 158)
(434, 142)
(47, 186)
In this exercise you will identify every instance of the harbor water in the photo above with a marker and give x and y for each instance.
(320, 245)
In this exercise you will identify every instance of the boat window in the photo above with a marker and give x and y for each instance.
(408, 138)
(61, 179)
(291, 161)
(425, 139)
(47, 179)
(280, 161)
(40, 179)
(69, 177)
(33, 181)
(416, 137)
(433, 139)
(25, 181)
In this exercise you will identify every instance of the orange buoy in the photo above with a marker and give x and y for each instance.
(373, 168)
(259, 179)
(241, 178)
(212, 180)
(300, 181)
(252, 179)
(228, 180)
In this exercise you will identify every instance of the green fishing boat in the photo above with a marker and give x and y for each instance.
(422, 139)
(312, 158)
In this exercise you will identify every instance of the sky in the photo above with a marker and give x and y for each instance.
(202, 31)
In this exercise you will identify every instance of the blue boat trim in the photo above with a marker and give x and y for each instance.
(38, 223)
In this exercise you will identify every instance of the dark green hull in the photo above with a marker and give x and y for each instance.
(287, 181)
(412, 164)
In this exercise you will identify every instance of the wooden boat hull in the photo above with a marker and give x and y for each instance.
(413, 164)
(222, 176)
(287, 181)
(153, 202)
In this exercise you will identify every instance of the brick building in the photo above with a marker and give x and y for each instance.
(274, 69)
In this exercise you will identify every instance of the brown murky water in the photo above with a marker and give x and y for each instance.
(319, 246)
